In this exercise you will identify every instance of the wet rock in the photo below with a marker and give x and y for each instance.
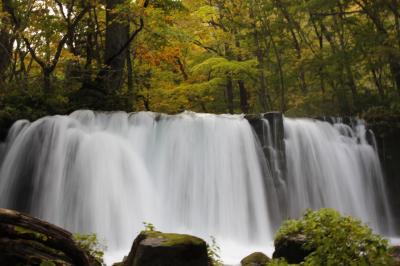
(395, 254)
(291, 248)
(255, 259)
(152, 248)
(25, 240)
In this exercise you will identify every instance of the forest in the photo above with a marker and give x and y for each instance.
(300, 57)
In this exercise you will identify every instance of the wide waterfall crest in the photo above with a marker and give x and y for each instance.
(109, 172)
(204, 174)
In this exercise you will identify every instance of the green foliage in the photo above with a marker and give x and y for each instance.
(278, 262)
(213, 251)
(47, 263)
(91, 245)
(306, 58)
(337, 240)
(149, 227)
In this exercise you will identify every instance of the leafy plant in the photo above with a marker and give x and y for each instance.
(337, 240)
(213, 251)
(278, 262)
(149, 227)
(91, 244)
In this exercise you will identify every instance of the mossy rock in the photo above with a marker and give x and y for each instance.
(168, 239)
(395, 254)
(153, 248)
(291, 248)
(255, 259)
(25, 240)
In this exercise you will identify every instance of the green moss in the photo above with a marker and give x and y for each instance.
(173, 239)
(47, 263)
(23, 231)
(256, 258)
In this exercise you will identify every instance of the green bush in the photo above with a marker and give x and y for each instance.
(91, 245)
(337, 240)
(213, 251)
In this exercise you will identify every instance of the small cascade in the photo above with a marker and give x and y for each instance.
(333, 165)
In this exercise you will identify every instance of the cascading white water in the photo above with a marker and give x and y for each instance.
(191, 173)
(109, 173)
(334, 166)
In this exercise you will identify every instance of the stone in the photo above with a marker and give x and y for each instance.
(395, 254)
(255, 259)
(25, 240)
(153, 248)
(291, 248)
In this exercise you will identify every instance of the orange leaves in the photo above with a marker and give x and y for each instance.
(167, 55)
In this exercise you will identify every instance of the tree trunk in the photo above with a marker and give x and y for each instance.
(117, 34)
(131, 89)
(244, 103)
(47, 81)
(5, 45)
(229, 95)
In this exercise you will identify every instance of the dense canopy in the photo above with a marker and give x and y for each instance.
(302, 57)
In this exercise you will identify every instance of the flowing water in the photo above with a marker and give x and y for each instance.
(192, 173)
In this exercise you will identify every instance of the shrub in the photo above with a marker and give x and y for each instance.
(213, 251)
(91, 245)
(337, 240)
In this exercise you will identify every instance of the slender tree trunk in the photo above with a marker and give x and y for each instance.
(47, 80)
(244, 97)
(131, 89)
(229, 95)
(281, 77)
(296, 43)
(6, 41)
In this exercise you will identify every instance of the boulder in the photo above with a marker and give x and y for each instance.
(25, 240)
(395, 254)
(291, 248)
(152, 248)
(255, 259)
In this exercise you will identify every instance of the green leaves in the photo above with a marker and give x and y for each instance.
(91, 245)
(218, 66)
(337, 240)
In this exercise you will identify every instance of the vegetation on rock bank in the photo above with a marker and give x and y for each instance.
(332, 239)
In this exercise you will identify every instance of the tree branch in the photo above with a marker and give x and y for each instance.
(131, 38)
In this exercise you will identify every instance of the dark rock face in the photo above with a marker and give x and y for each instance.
(269, 128)
(395, 253)
(387, 134)
(275, 120)
(153, 248)
(291, 248)
(255, 259)
(25, 240)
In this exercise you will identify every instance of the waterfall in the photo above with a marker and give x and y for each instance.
(110, 172)
(203, 174)
(333, 165)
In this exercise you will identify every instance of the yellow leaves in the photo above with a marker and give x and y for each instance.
(206, 13)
